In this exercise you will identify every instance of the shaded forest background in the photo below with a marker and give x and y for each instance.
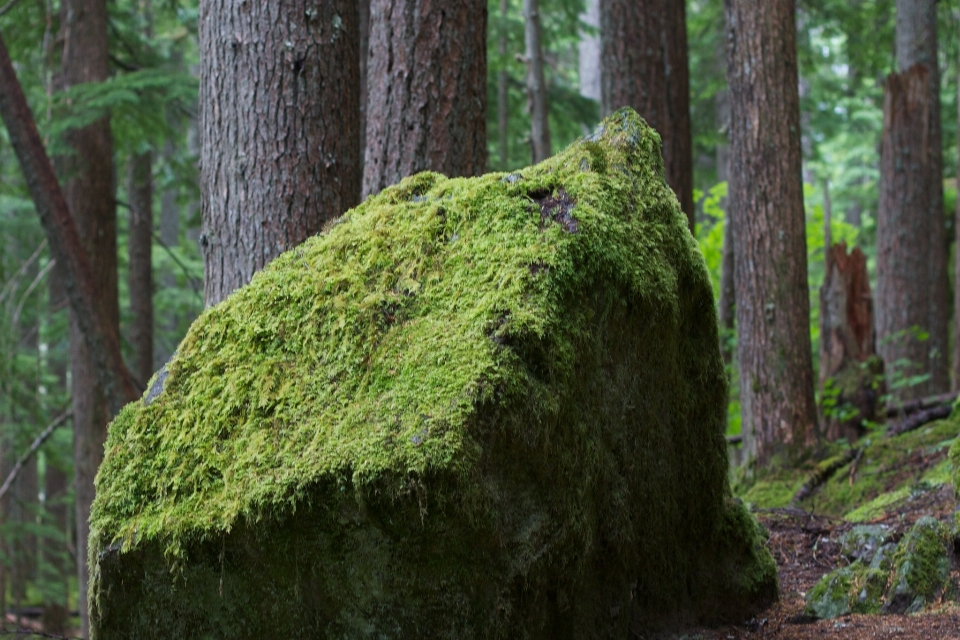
(846, 51)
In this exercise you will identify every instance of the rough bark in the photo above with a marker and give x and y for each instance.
(916, 44)
(90, 198)
(848, 362)
(773, 348)
(140, 265)
(905, 305)
(536, 83)
(727, 304)
(427, 90)
(279, 128)
(644, 66)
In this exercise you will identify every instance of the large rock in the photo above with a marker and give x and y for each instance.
(474, 408)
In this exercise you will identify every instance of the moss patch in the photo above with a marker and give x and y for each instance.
(487, 407)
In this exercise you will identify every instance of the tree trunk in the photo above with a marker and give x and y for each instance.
(427, 106)
(773, 313)
(503, 104)
(363, 7)
(849, 368)
(905, 307)
(279, 128)
(644, 66)
(536, 84)
(589, 50)
(727, 303)
(916, 42)
(140, 265)
(956, 269)
(90, 198)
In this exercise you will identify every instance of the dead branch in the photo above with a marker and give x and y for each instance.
(37, 443)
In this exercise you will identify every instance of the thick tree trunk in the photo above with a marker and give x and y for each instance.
(916, 42)
(427, 106)
(644, 66)
(279, 128)
(536, 84)
(773, 316)
(140, 265)
(90, 198)
(849, 368)
(905, 304)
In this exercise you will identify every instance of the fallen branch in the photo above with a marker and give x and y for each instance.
(822, 474)
(103, 345)
(918, 419)
(921, 403)
(37, 443)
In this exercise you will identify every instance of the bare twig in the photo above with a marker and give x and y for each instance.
(23, 631)
(9, 287)
(33, 285)
(37, 443)
(8, 6)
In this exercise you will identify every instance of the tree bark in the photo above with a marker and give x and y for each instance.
(91, 199)
(644, 65)
(916, 44)
(905, 304)
(279, 128)
(363, 7)
(503, 104)
(428, 90)
(773, 310)
(140, 265)
(848, 362)
(956, 269)
(536, 84)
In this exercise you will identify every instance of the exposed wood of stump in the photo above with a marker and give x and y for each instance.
(848, 357)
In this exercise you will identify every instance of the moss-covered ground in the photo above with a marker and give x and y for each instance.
(473, 408)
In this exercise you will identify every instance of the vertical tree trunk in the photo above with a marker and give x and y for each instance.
(849, 367)
(90, 198)
(589, 50)
(536, 84)
(279, 128)
(140, 265)
(644, 66)
(503, 105)
(905, 303)
(956, 269)
(916, 42)
(773, 314)
(363, 7)
(428, 90)
(727, 302)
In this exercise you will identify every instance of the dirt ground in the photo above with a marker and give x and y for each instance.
(805, 548)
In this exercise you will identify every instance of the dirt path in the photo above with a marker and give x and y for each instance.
(805, 548)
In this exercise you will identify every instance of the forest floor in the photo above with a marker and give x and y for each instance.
(805, 545)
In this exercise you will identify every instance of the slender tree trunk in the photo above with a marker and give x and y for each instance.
(279, 122)
(364, 21)
(589, 49)
(903, 230)
(644, 66)
(428, 90)
(916, 42)
(536, 84)
(956, 270)
(773, 314)
(90, 198)
(140, 265)
(503, 104)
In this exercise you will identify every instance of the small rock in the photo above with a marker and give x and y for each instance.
(863, 541)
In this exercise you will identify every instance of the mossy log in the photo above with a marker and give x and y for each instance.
(474, 408)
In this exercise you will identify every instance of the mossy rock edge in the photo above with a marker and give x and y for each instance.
(474, 408)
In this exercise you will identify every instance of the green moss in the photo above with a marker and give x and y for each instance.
(921, 567)
(879, 506)
(775, 492)
(488, 407)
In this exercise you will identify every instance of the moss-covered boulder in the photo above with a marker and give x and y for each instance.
(921, 567)
(857, 588)
(474, 408)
